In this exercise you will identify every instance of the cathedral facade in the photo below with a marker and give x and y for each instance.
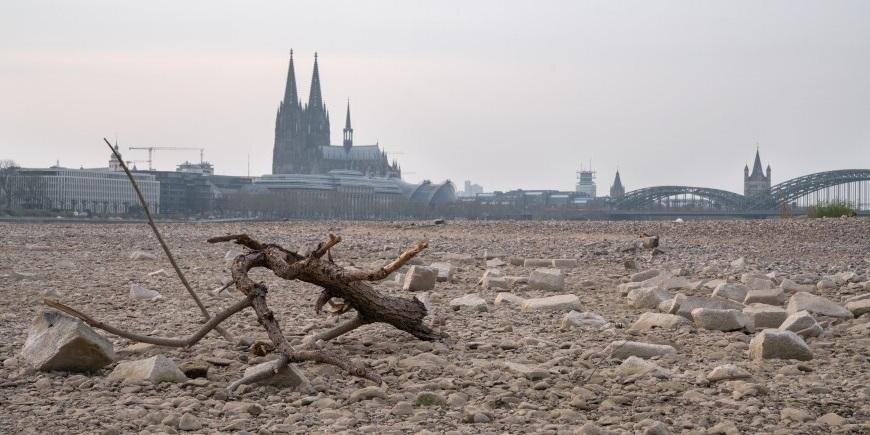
(302, 137)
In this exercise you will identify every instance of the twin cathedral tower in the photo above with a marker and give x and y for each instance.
(302, 137)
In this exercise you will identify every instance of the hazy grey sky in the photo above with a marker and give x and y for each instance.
(507, 94)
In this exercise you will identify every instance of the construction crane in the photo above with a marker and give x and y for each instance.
(152, 149)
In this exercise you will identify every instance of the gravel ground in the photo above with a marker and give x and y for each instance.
(461, 385)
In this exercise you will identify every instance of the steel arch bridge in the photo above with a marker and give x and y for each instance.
(782, 193)
(791, 190)
(645, 197)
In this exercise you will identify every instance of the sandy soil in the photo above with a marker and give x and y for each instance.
(438, 387)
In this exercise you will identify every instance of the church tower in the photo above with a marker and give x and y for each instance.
(289, 138)
(617, 191)
(348, 130)
(756, 183)
(317, 123)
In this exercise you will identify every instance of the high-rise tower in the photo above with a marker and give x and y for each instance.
(289, 134)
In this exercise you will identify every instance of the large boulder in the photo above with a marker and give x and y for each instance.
(552, 303)
(731, 290)
(764, 316)
(648, 321)
(443, 271)
(777, 344)
(803, 301)
(683, 305)
(648, 297)
(156, 369)
(548, 279)
(60, 342)
(419, 278)
(719, 320)
(801, 323)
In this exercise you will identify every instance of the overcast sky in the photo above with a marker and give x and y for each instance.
(506, 94)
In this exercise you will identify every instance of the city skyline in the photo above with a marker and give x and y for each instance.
(683, 106)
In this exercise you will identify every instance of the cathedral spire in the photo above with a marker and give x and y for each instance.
(348, 130)
(315, 99)
(290, 94)
(756, 167)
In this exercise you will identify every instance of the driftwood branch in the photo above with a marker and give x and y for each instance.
(163, 245)
(385, 271)
(161, 341)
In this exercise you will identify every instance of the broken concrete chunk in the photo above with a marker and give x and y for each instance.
(777, 344)
(801, 323)
(443, 271)
(622, 349)
(731, 290)
(814, 304)
(584, 320)
(471, 302)
(552, 303)
(648, 321)
(760, 316)
(719, 320)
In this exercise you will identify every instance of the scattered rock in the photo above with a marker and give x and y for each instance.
(622, 349)
(143, 256)
(287, 376)
(648, 297)
(537, 262)
(734, 291)
(547, 279)
(648, 321)
(189, 422)
(504, 298)
(801, 323)
(777, 344)
(194, 369)
(859, 307)
(794, 414)
(367, 393)
(529, 372)
(764, 316)
(831, 420)
(643, 276)
(552, 303)
(790, 286)
(683, 305)
(584, 320)
(565, 263)
(635, 366)
(470, 301)
(443, 271)
(155, 369)
(719, 320)
(419, 278)
(727, 372)
(814, 304)
(59, 342)
(139, 292)
(774, 296)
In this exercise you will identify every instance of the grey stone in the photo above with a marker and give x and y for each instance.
(790, 286)
(644, 275)
(419, 278)
(156, 369)
(622, 349)
(719, 320)
(516, 261)
(286, 377)
(814, 304)
(495, 262)
(801, 323)
(142, 256)
(189, 422)
(764, 316)
(59, 342)
(734, 291)
(859, 307)
(635, 366)
(727, 372)
(367, 393)
(826, 284)
(139, 292)
(565, 263)
(443, 271)
(777, 344)
(739, 264)
(470, 301)
(547, 279)
(774, 296)
(648, 297)
(683, 305)
(584, 320)
(552, 303)
(504, 298)
(648, 321)
(529, 372)
(537, 262)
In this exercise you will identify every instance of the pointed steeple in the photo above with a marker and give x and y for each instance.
(315, 99)
(348, 130)
(756, 167)
(290, 94)
(617, 190)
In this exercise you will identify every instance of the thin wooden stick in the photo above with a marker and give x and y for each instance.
(383, 272)
(163, 245)
(161, 341)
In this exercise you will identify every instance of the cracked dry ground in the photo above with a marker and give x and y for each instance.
(431, 386)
